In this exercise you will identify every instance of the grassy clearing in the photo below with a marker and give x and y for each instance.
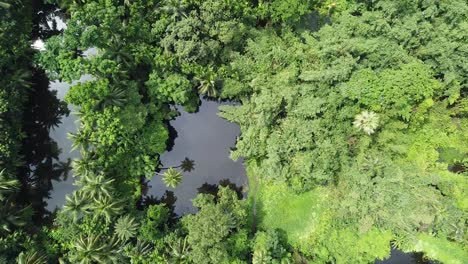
(298, 215)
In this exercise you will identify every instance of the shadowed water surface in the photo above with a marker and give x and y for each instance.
(205, 138)
(60, 135)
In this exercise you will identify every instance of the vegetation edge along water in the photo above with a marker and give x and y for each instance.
(353, 117)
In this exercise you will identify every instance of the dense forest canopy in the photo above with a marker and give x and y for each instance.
(353, 117)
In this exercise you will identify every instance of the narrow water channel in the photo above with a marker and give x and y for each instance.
(69, 124)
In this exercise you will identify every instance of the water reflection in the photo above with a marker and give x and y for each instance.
(42, 112)
(204, 139)
(399, 257)
(60, 133)
(213, 188)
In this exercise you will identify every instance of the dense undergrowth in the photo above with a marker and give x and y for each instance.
(353, 125)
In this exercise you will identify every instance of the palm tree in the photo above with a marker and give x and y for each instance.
(116, 97)
(175, 8)
(91, 249)
(75, 205)
(80, 140)
(179, 250)
(106, 206)
(125, 228)
(7, 186)
(11, 216)
(172, 177)
(138, 251)
(95, 185)
(118, 52)
(31, 257)
(207, 83)
(85, 164)
(366, 121)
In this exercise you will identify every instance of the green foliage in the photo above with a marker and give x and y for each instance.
(398, 89)
(75, 205)
(268, 248)
(138, 253)
(92, 249)
(15, 53)
(178, 249)
(11, 215)
(94, 186)
(376, 64)
(172, 177)
(210, 228)
(342, 245)
(367, 122)
(125, 228)
(7, 185)
(313, 78)
(31, 257)
(154, 225)
(284, 11)
(107, 207)
(441, 249)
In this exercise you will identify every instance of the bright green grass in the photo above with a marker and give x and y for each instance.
(441, 249)
(278, 207)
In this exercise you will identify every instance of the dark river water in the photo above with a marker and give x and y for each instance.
(206, 139)
(69, 124)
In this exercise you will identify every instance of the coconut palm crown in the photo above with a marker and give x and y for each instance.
(172, 177)
(366, 121)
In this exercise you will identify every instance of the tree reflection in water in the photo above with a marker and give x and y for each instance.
(42, 112)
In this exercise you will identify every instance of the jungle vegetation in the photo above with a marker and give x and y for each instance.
(353, 117)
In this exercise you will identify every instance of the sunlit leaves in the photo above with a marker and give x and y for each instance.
(172, 177)
(32, 257)
(173, 88)
(126, 227)
(76, 205)
(116, 97)
(178, 249)
(393, 90)
(302, 96)
(95, 185)
(208, 83)
(366, 121)
(138, 252)
(88, 249)
(106, 207)
(268, 248)
(209, 229)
